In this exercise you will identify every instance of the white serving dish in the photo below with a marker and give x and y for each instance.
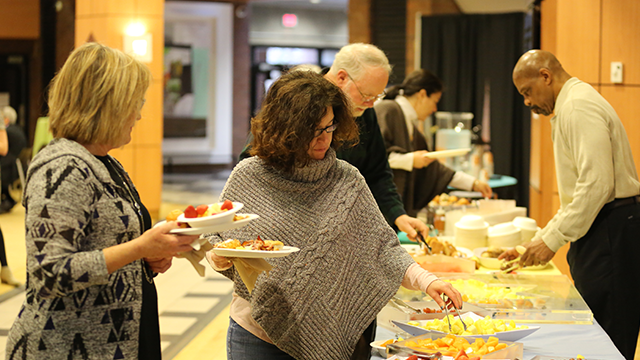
(511, 335)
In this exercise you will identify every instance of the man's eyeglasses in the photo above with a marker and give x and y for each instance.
(366, 98)
(329, 129)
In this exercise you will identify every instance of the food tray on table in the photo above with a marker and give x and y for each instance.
(406, 348)
(417, 327)
(524, 298)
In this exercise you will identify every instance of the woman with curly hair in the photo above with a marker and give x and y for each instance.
(315, 303)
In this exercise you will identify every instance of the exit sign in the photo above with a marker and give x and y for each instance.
(289, 20)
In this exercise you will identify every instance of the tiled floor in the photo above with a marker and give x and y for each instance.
(187, 303)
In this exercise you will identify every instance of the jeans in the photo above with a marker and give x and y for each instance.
(243, 345)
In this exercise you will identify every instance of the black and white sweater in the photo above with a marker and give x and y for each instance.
(73, 308)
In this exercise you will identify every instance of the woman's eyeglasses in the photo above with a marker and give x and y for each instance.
(329, 129)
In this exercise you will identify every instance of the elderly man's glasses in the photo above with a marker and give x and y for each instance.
(366, 98)
(329, 129)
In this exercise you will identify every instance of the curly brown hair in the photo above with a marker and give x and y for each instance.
(290, 114)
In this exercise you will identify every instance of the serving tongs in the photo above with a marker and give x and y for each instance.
(423, 242)
(514, 264)
(447, 300)
(401, 305)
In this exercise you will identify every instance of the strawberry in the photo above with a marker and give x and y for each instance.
(201, 209)
(226, 205)
(190, 212)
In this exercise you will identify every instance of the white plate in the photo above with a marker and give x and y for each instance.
(286, 250)
(447, 153)
(511, 335)
(215, 228)
(207, 221)
(381, 350)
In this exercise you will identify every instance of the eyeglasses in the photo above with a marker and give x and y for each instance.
(329, 129)
(364, 97)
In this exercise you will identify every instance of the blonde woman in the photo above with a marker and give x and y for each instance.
(91, 255)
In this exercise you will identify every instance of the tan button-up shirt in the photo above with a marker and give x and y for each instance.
(593, 159)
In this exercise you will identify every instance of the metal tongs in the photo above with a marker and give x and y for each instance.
(396, 301)
(423, 242)
(514, 264)
(446, 300)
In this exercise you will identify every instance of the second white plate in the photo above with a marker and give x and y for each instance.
(447, 153)
(255, 253)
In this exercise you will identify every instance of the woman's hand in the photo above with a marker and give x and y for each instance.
(218, 263)
(158, 243)
(442, 287)
(420, 160)
(482, 187)
(155, 243)
(159, 265)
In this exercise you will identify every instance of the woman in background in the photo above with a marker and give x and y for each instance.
(318, 302)
(401, 117)
(91, 252)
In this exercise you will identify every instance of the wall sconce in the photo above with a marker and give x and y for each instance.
(138, 42)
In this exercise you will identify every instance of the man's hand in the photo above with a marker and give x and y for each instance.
(538, 253)
(482, 187)
(420, 160)
(409, 225)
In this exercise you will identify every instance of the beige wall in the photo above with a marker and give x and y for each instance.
(105, 21)
(586, 36)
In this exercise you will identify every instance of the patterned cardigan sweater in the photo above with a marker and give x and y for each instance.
(73, 308)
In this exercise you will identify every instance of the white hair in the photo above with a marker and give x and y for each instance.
(307, 67)
(10, 113)
(356, 58)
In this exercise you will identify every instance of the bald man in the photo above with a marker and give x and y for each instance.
(598, 186)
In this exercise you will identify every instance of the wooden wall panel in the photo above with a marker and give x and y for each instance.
(359, 18)
(20, 19)
(578, 38)
(148, 131)
(105, 21)
(624, 100)
(620, 39)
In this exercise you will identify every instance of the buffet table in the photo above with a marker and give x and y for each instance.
(567, 327)
(554, 340)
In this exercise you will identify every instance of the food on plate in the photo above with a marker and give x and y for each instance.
(229, 244)
(207, 210)
(173, 215)
(442, 247)
(257, 244)
(445, 199)
(191, 212)
(452, 345)
(492, 252)
(439, 246)
(485, 326)
(391, 341)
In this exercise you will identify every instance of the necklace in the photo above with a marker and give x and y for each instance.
(136, 207)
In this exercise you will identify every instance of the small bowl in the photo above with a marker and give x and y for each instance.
(503, 229)
(525, 223)
(206, 221)
(472, 222)
(527, 235)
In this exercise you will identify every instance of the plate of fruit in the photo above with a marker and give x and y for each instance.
(209, 215)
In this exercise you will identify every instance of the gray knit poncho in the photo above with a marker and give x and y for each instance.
(316, 303)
